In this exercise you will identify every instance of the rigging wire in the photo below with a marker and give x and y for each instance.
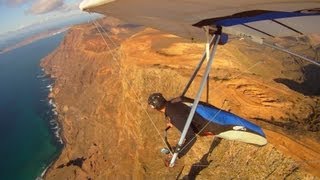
(292, 53)
(113, 43)
(119, 66)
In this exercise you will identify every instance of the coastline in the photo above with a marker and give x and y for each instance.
(58, 132)
(27, 121)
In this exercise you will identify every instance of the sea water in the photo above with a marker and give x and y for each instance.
(28, 130)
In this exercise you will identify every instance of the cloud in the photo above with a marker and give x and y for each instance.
(36, 7)
(45, 6)
(69, 7)
(13, 3)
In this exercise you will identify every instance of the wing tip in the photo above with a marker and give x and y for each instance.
(85, 5)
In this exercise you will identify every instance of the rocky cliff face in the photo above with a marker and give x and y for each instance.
(109, 131)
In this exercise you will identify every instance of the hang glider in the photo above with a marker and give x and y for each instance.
(253, 19)
(258, 20)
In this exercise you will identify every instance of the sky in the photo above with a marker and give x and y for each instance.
(17, 14)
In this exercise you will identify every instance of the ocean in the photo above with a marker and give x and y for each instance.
(28, 127)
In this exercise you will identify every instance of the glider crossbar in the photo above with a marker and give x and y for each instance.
(196, 101)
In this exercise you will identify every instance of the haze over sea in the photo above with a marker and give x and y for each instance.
(27, 122)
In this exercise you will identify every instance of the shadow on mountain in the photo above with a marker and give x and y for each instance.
(310, 86)
(75, 162)
(203, 163)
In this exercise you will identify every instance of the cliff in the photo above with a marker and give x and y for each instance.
(109, 131)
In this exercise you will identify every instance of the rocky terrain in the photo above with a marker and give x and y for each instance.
(109, 132)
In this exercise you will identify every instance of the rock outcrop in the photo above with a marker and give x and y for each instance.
(109, 131)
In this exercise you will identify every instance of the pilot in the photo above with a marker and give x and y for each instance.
(207, 120)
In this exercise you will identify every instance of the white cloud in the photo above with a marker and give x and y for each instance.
(13, 3)
(36, 7)
(46, 6)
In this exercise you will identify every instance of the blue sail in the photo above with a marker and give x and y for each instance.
(226, 118)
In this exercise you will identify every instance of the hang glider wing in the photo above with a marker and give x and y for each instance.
(257, 20)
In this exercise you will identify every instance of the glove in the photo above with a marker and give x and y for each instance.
(167, 160)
